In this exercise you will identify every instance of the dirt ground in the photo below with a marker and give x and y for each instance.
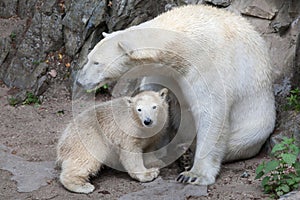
(32, 132)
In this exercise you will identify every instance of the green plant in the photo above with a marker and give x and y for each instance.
(13, 36)
(31, 99)
(294, 100)
(101, 90)
(13, 101)
(36, 62)
(281, 174)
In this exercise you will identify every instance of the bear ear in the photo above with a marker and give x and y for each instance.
(128, 100)
(163, 93)
(137, 54)
(105, 34)
(126, 48)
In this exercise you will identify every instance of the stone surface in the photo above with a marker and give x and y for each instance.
(27, 8)
(32, 31)
(80, 21)
(126, 13)
(261, 9)
(42, 35)
(8, 8)
(220, 3)
(167, 190)
(29, 176)
(289, 126)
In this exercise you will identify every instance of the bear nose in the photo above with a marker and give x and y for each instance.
(147, 121)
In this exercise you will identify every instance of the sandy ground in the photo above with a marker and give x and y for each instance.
(31, 133)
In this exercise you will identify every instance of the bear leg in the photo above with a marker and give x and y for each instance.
(134, 165)
(75, 176)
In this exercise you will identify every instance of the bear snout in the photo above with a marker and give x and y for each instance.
(148, 121)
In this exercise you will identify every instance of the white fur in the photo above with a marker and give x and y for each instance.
(225, 76)
(113, 133)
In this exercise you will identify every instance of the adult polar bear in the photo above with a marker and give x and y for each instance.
(227, 68)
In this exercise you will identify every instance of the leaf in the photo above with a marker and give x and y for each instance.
(259, 175)
(289, 158)
(260, 168)
(278, 147)
(290, 181)
(294, 149)
(279, 193)
(265, 181)
(271, 165)
(285, 188)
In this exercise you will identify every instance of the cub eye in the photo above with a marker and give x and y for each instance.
(139, 109)
(96, 63)
(154, 107)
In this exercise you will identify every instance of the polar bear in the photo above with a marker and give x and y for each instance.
(117, 131)
(222, 67)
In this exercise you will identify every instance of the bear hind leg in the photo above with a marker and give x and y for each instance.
(250, 127)
(75, 177)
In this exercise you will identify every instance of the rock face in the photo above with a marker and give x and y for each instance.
(38, 36)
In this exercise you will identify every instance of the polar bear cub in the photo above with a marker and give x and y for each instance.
(114, 133)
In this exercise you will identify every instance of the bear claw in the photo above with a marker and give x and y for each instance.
(187, 178)
(192, 178)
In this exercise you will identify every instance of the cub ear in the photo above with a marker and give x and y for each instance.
(128, 100)
(163, 93)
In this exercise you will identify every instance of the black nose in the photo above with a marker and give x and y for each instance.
(147, 121)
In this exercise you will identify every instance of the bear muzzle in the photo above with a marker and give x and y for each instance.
(147, 121)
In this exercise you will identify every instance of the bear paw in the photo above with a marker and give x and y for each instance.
(196, 179)
(146, 176)
(86, 188)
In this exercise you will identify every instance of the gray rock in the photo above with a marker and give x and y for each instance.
(221, 3)
(289, 126)
(261, 9)
(29, 176)
(291, 196)
(125, 13)
(8, 8)
(5, 46)
(80, 21)
(167, 190)
(283, 20)
(26, 8)
(26, 70)
(296, 67)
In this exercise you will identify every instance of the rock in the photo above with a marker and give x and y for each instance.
(29, 176)
(42, 36)
(291, 196)
(80, 21)
(282, 21)
(289, 126)
(168, 190)
(8, 8)
(296, 67)
(220, 3)
(5, 46)
(26, 8)
(261, 9)
(126, 13)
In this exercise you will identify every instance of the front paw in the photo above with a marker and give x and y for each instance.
(196, 179)
(146, 176)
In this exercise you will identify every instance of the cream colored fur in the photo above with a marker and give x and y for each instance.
(114, 133)
(227, 66)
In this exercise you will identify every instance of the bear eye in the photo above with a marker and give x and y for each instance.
(139, 109)
(154, 107)
(96, 63)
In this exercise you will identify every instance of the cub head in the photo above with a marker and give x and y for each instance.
(150, 108)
